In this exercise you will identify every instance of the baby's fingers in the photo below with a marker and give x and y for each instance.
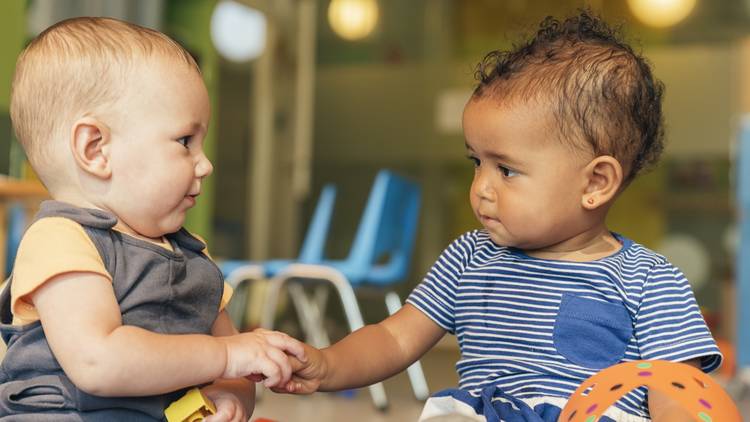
(296, 364)
(256, 377)
(297, 386)
(281, 360)
(270, 369)
(284, 342)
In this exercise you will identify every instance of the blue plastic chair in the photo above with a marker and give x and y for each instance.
(741, 384)
(16, 226)
(238, 273)
(380, 256)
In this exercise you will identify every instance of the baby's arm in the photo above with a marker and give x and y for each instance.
(370, 354)
(83, 325)
(665, 409)
(234, 399)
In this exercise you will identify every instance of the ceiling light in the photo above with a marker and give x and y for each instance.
(661, 13)
(237, 31)
(353, 19)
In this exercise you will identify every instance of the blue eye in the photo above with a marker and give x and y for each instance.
(185, 140)
(474, 160)
(507, 172)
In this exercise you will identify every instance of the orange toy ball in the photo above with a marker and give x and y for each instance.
(697, 392)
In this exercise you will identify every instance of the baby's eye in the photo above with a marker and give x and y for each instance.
(474, 160)
(507, 172)
(185, 140)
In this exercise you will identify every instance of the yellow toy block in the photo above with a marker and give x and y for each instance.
(193, 406)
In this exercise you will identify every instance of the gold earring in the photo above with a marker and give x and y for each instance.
(590, 201)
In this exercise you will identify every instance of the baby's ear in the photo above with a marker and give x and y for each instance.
(604, 178)
(90, 142)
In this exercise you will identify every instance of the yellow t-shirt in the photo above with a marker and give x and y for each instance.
(53, 246)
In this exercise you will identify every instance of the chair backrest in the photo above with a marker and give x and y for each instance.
(383, 245)
(313, 246)
(16, 225)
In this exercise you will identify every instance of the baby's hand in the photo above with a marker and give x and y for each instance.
(228, 407)
(261, 354)
(307, 375)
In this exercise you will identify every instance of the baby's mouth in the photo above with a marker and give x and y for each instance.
(487, 219)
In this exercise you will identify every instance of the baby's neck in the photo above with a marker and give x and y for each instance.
(82, 202)
(72, 197)
(587, 246)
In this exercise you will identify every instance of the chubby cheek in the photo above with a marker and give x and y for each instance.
(474, 195)
(473, 201)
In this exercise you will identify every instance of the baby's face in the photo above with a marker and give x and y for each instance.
(527, 185)
(157, 155)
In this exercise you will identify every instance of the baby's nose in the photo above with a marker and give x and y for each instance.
(204, 167)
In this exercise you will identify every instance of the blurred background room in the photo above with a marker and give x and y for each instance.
(307, 93)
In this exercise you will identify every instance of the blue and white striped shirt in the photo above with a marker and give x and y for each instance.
(538, 328)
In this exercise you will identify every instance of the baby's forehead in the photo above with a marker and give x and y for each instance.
(526, 88)
(534, 117)
(540, 108)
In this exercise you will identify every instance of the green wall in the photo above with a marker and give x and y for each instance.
(13, 34)
(187, 21)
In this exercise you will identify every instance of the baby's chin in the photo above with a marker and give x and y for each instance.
(506, 242)
(499, 240)
(157, 231)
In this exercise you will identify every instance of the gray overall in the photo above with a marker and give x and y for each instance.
(159, 290)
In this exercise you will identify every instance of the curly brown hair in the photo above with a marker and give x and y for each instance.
(598, 88)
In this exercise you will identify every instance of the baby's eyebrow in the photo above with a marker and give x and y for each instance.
(497, 156)
(504, 158)
(194, 127)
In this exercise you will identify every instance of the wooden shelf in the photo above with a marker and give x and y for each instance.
(30, 193)
(20, 189)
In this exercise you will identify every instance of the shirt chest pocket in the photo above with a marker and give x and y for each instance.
(591, 333)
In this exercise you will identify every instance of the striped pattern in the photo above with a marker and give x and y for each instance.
(503, 306)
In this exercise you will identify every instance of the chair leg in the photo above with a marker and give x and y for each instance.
(354, 317)
(310, 316)
(415, 372)
(348, 300)
(239, 279)
(739, 386)
(272, 300)
(321, 294)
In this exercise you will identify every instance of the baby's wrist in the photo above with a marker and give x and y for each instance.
(325, 376)
(224, 357)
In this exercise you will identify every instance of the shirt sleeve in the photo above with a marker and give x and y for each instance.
(669, 324)
(226, 296)
(435, 296)
(50, 247)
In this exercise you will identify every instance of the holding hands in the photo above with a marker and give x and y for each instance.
(262, 355)
(308, 375)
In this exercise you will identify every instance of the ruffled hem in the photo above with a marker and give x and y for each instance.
(613, 412)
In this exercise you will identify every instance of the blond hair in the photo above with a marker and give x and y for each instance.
(77, 67)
